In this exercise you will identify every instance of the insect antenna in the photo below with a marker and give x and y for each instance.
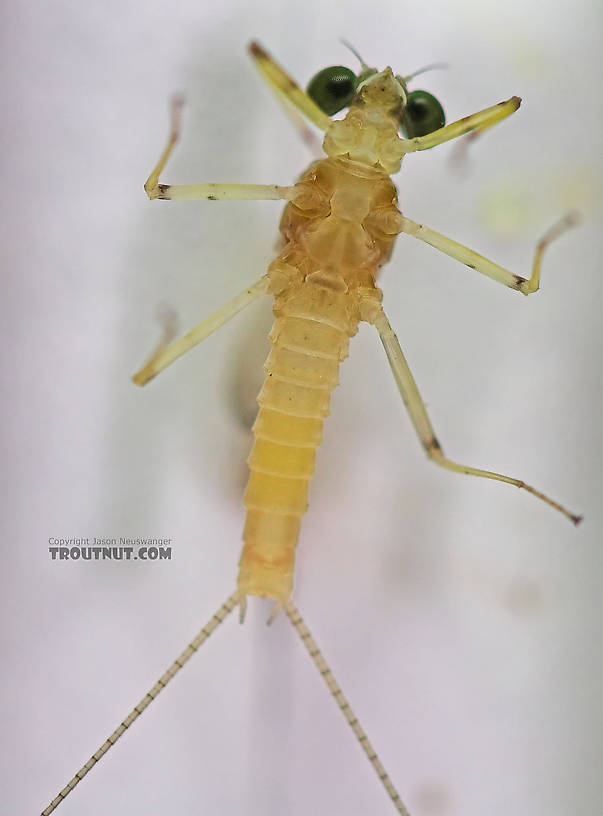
(433, 66)
(195, 644)
(351, 48)
(317, 658)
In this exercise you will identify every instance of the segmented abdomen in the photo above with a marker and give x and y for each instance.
(309, 339)
(338, 229)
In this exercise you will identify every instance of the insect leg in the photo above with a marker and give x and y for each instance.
(475, 261)
(335, 689)
(418, 414)
(210, 192)
(306, 134)
(220, 192)
(477, 121)
(164, 355)
(223, 612)
(285, 87)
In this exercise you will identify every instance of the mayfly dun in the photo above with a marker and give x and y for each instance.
(338, 228)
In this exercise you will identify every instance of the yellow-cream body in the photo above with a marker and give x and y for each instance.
(338, 229)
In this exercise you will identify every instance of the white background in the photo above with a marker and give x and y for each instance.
(461, 617)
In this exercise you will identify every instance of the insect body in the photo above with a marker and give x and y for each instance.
(338, 229)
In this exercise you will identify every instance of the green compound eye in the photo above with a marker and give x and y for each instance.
(332, 88)
(423, 114)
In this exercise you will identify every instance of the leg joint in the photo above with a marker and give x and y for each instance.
(433, 448)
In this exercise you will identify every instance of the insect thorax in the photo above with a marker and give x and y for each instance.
(341, 222)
